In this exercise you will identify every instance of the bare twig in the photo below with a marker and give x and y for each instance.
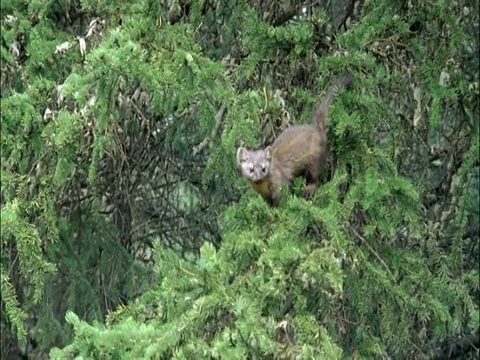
(218, 122)
(459, 348)
(373, 252)
(289, 13)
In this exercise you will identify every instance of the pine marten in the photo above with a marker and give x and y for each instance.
(298, 151)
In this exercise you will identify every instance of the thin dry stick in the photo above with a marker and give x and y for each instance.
(219, 120)
(373, 252)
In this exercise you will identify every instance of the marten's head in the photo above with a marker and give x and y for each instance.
(254, 164)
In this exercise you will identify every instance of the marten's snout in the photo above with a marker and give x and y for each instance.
(259, 174)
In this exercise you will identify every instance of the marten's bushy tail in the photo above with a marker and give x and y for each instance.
(321, 112)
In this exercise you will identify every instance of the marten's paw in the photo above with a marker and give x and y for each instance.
(309, 191)
(275, 200)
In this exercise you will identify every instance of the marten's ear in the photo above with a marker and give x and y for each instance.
(242, 155)
(268, 153)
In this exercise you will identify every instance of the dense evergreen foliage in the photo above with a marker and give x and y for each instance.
(128, 234)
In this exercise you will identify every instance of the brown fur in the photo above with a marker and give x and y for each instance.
(298, 151)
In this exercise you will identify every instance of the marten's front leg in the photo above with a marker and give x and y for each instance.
(312, 174)
(274, 199)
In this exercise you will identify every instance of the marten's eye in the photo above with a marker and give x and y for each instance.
(252, 170)
(264, 168)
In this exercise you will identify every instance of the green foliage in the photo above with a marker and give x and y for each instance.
(12, 306)
(221, 321)
(114, 138)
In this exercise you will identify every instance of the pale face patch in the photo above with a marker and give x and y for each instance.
(254, 164)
